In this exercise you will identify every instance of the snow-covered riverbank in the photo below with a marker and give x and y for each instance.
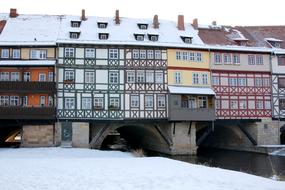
(68, 169)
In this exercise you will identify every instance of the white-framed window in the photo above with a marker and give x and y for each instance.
(98, 103)
(134, 101)
(218, 104)
(258, 81)
(102, 25)
(157, 54)
(205, 78)
(142, 54)
(242, 81)
(50, 101)
(131, 76)
(74, 35)
(25, 101)
(202, 101)
(15, 76)
(148, 101)
(90, 53)
(198, 57)
(50, 76)
(103, 36)
(191, 56)
(267, 104)
(259, 104)
(16, 53)
(75, 24)
(266, 82)
(154, 38)
(69, 103)
(136, 54)
(89, 77)
(161, 101)
(192, 102)
(5, 53)
(42, 77)
(113, 53)
(114, 103)
(42, 101)
(149, 76)
(158, 77)
(178, 55)
(4, 100)
(236, 59)
(251, 60)
(27, 76)
(233, 81)
(14, 101)
(86, 103)
(227, 58)
(218, 58)
(139, 37)
(215, 80)
(4, 76)
(113, 77)
(259, 60)
(184, 56)
(233, 104)
(38, 54)
(69, 52)
(140, 77)
(150, 54)
(69, 75)
(242, 104)
(195, 78)
(177, 77)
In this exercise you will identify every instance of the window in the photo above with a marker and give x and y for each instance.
(192, 103)
(113, 77)
(187, 40)
(134, 101)
(14, 101)
(5, 53)
(242, 104)
(161, 101)
(69, 76)
(178, 55)
(102, 24)
(139, 37)
(198, 57)
(42, 77)
(74, 35)
(218, 104)
(150, 54)
(50, 101)
(148, 101)
(205, 78)
(136, 54)
(157, 54)
(258, 81)
(218, 58)
(215, 80)
(113, 53)
(267, 104)
(130, 76)
(233, 81)
(191, 56)
(282, 104)
(89, 53)
(42, 101)
(114, 103)
(195, 78)
(103, 36)
(50, 76)
(69, 52)
(15, 76)
(281, 83)
(149, 76)
(75, 24)
(153, 38)
(158, 77)
(143, 26)
(86, 103)
(202, 102)
(236, 59)
(177, 77)
(27, 76)
(266, 82)
(184, 55)
(140, 77)
(38, 54)
(69, 103)
(242, 81)
(4, 100)
(259, 60)
(89, 77)
(142, 54)
(16, 54)
(259, 104)
(281, 60)
(251, 60)
(233, 104)
(227, 58)
(98, 103)
(4, 76)
(25, 101)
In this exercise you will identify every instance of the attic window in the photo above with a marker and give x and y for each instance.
(139, 37)
(102, 24)
(103, 36)
(143, 26)
(75, 24)
(74, 35)
(153, 37)
(187, 40)
(276, 44)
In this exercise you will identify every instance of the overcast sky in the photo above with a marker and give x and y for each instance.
(225, 12)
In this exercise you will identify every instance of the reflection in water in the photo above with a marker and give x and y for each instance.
(252, 163)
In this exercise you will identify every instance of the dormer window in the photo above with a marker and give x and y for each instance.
(143, 26)
(75, 24)
(139, 37)
(102, 24)
(103, 36)
(74, 35)
(153, 37)
(277, 44)
(274, 42)
(187, 40)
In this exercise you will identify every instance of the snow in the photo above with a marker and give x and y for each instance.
(29, 62)
(190, 90)
(273, 40)
(70, 169)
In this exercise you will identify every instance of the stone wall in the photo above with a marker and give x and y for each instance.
(38, 136)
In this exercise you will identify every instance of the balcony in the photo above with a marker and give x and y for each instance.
(29, 113)
(27, 87)
(186, 114)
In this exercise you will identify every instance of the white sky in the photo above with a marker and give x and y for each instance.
(225, 12)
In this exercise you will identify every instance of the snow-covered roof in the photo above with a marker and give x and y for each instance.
(190, 90)
(28, 62)
(273, 40)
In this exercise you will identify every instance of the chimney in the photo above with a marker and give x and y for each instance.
(195, 23)
(214, 23)
(13, 13)
(180, 24)
(83, 16)
(155, 22)
(117, 17)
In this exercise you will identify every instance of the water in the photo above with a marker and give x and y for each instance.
(248, 162)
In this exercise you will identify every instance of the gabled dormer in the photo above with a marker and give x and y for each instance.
(75, 23)
(142, 26)
(152, 37)
(241, 41)
(274, 42)
(102, 24)
(139, 37)
(186, 39)
(103, 36)
(74, 35)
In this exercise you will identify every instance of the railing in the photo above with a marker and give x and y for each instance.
(187, 114)
(24, 87)
(38, 113)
